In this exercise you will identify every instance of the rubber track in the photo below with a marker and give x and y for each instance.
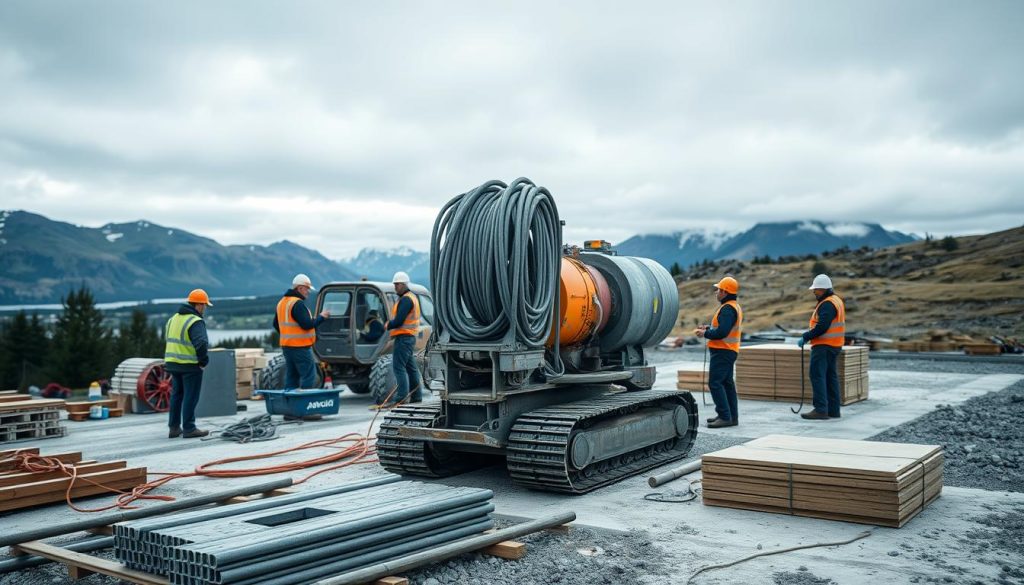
(407, 456)
(538, 445)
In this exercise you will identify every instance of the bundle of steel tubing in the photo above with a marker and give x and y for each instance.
(305, 536)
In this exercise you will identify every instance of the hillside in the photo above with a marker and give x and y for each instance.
(772, 239)
(896, 291)
(42, 259)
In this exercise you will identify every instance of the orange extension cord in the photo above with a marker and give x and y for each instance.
(357, 449)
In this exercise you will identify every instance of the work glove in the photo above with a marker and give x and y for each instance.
(801, 343)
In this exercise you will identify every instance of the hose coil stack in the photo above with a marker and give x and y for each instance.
(495, 257)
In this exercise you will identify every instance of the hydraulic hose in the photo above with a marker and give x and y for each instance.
(495, 255)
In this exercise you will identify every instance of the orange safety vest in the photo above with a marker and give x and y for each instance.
(291, 334)
(412, 320)
(731, 341)
(836, 334)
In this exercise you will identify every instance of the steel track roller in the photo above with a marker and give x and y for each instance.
(415, 457)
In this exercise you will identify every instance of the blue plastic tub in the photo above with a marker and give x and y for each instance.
(301, 402)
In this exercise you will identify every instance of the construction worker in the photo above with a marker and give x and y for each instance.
(298, 332)
(185, 356)
(723, 337)
(827, 335)
(404, 324)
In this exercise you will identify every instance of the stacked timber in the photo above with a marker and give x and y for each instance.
(301, 537)
(772, 372)
(868, 482)
(694, 380)
(248, 361)
(25, 419)
(20, 489)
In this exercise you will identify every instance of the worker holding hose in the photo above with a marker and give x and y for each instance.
(404, 325)
(723, 337)
(827, 335)
(298, 333)
(185, 356)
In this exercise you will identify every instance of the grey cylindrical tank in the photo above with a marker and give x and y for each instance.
(645, 301)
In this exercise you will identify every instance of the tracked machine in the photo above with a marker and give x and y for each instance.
(541, 349)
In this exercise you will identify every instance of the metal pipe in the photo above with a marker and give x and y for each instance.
(481, 509)
(371, 538)
(107, 519)
(406, 563)
(29, 561)
(673, 474)
(301, 535)
(317, 570)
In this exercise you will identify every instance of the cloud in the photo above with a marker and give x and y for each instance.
(345, 126)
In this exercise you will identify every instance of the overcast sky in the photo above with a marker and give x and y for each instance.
(343, 125)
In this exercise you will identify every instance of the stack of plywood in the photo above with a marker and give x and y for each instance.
(885, 484)
(24, 419)
(80, 410)
(247, 362)
(772, 372)
(983, 348)
(692, 380)
(20, 489)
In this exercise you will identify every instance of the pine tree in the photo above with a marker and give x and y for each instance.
(24, 351)
(139, 339)
(676, 269)
(81, 342)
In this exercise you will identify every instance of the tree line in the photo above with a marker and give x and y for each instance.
(80, 346)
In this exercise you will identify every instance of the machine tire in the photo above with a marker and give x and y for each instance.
(382, 379)
(360, 387)
(272, 376)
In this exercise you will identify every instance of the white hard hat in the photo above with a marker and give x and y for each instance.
(302, 280)
(400, 277)
(821, 281)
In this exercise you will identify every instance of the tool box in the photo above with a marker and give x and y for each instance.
(301, 402)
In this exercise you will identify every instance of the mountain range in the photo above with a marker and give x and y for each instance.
(764, 239)
(43, 259)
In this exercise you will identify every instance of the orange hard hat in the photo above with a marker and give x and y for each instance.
(199, 296)
(729, 285)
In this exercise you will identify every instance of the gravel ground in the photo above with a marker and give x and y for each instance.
(582, 556)
(800, 577)
(950, 367)
(983, 438)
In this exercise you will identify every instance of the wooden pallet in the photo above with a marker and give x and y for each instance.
(20, 489)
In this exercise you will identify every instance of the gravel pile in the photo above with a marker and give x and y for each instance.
(583, 556)
(983, 438)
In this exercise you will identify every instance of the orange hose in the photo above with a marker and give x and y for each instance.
(359, 449)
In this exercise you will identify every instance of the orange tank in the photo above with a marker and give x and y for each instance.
(585, 303)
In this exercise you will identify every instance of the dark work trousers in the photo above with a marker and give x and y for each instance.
(299, 368)
(407, 375)
(720, 381)
(184, 398)
(825, 379)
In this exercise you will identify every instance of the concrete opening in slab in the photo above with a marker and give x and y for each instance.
(289, 517)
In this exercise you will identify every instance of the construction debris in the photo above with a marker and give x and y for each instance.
(25, 419)
(62, 477)
(834, 479)
(772, 372)
(304, 536)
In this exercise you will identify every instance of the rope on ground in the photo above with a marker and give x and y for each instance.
(677, 497)
(354, 449)
(864, 534)
(251, 430)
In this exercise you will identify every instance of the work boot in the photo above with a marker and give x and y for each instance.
(814, 415)
(712, 419)
(719, 423)
(174, 433)
(195, 434)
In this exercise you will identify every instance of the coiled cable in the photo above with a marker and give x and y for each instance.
(495, 257)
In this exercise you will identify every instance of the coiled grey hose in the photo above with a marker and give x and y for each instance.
(495, 256)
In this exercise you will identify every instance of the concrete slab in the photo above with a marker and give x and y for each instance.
(692, 534)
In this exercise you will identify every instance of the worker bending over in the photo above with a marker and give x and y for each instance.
(404, 324)
(298, 333)
(723, 337)
(827, 335)
(185, 356)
